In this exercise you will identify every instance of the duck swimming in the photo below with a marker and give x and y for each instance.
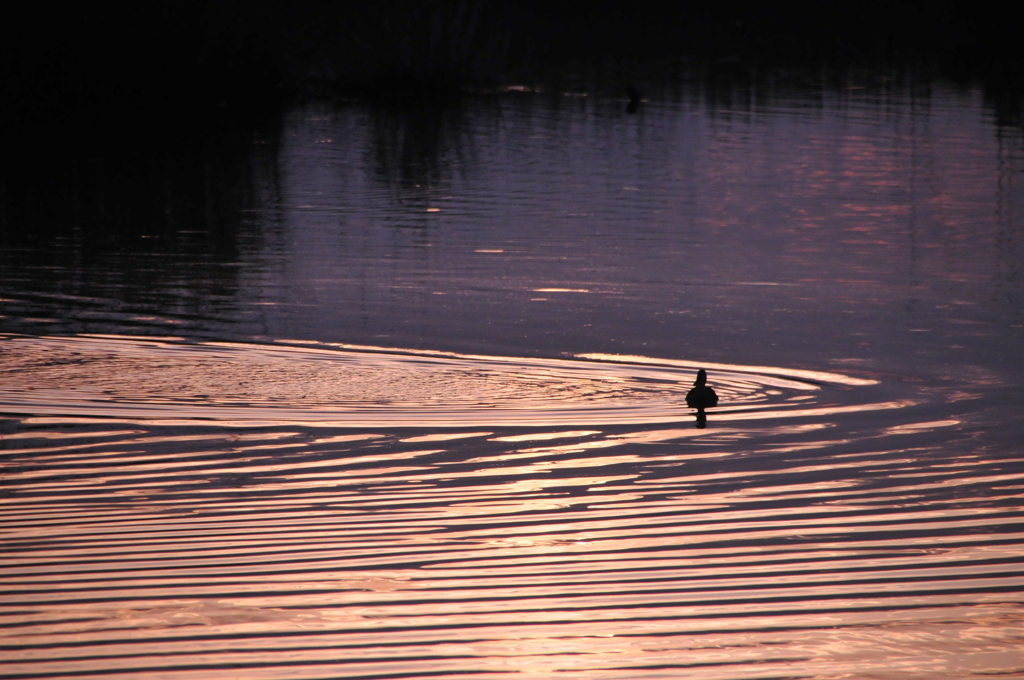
(634, 99)
(701, 396)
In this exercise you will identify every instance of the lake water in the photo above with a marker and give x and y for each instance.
(382, 391)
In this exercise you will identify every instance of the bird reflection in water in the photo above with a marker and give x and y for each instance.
(701, 397)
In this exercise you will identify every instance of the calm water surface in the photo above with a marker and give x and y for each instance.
(390, 392)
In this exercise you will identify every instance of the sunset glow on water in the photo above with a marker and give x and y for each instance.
(407, 398)
(111, 376)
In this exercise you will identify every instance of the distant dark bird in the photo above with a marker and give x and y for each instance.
(701, 396)
(634, 99)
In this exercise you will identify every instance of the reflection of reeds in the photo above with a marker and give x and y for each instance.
(441, 45)
(189, 56)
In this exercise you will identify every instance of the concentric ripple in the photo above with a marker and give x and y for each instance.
(169, 379)
(812, 530)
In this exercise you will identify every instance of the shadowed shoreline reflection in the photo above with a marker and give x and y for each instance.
(418, 222)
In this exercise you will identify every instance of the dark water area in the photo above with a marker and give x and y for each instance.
(397, 388)
(175, 59)
(817, 223)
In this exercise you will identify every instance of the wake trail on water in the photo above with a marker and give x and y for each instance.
(338, 385)
(205, 510)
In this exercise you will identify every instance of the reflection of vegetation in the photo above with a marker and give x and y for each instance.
(414, 145)
(156, 224)
(186, 55)
(178, 57)
(413, 45)
(118, 192)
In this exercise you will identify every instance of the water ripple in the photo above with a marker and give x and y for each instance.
(817, 538)
(155, 379)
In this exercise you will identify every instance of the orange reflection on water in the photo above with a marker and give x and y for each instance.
(161, 381)
(610, 540)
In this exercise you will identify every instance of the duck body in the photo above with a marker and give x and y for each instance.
(701, 396)
(634, 99)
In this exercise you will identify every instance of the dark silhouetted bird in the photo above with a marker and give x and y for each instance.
(701, 396)
(634, 99)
